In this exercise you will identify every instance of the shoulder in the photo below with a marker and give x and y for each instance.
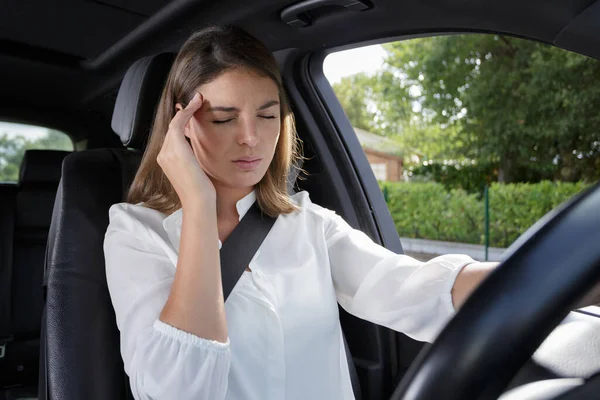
(305, 205)
(134, 218)
(331, 222)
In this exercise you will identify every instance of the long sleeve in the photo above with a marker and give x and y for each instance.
(390, 289)
(162, 362)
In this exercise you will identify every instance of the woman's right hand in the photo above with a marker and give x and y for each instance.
(179, 163)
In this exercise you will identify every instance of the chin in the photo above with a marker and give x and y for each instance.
(246, 180)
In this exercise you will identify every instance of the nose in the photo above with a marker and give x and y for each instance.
(248, 134)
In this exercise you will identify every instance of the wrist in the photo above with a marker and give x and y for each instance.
(468, 279)
(200, 210)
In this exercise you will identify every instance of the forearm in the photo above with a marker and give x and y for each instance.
(473, 274)
(468, 279)
(592, 298)
(196, 304)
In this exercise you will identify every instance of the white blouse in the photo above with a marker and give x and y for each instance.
(285, 338)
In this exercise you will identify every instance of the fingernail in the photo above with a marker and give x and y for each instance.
(196, 96)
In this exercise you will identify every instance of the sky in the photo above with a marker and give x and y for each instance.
(349, 62)
(30, 132)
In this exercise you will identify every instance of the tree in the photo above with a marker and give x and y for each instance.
(355, 94)
(13, 147)
(527, 107)
(11, 154)
(54, 140)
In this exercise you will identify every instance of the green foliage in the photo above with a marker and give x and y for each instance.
(514, 208)
(528, 107)
(13, 147)
(355, 93)
(429, 211)
(469, 176)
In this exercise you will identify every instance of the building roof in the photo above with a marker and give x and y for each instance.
(380, 144)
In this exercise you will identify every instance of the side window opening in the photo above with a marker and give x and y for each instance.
(456, 125)
(16, 138)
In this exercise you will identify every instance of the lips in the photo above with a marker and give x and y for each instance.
(247, 163)
(247, 158)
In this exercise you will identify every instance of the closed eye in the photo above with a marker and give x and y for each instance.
(268, 116)
(223, 121)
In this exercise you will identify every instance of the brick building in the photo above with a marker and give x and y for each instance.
(384, 155)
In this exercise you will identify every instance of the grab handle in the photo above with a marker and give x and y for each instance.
(297, 15)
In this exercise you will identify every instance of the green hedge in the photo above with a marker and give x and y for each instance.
(429, 211)
(471, 177)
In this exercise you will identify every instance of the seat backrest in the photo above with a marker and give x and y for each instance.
(38, 183)
(88, 365)
(32, 211)
(8, 200)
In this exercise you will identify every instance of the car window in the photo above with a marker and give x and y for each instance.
(16, 138)
(472, 137)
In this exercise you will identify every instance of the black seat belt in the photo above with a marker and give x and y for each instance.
(8, 199)
(237, 252)
(241, 245)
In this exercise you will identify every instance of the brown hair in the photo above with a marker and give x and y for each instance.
(203, 57)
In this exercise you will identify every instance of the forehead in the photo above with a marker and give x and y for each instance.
(239, 85)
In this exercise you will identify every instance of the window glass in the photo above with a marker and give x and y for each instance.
(380, 171)
(473, 137)
(16, 138)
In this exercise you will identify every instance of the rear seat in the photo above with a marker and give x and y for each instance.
(21, 273)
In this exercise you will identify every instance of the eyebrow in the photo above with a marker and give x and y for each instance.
(235, 109)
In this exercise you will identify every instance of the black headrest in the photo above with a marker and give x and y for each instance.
(41, 166)
(137, 99)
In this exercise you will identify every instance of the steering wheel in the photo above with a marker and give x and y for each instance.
(548, 269)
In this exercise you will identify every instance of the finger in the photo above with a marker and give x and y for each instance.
(183, 116)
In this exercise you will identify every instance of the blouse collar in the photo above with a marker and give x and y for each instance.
(172, 224)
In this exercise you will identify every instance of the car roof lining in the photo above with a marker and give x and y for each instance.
(91, 44)
(95, 34)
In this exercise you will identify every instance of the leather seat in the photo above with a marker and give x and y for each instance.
(80, 357)
(24, 237)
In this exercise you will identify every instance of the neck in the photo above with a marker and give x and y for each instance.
(227, 198)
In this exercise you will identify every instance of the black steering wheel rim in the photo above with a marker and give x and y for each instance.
(547, 270)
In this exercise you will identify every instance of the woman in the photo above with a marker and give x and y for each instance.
(223, 138)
